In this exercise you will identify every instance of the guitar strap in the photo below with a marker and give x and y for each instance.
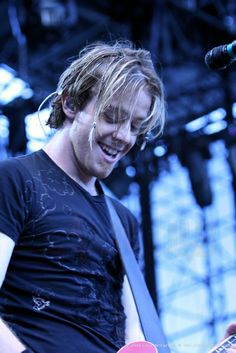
(149, 319)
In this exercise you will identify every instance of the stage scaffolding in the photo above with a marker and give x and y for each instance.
(194, 253)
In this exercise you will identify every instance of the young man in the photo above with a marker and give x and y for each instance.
(63, 287)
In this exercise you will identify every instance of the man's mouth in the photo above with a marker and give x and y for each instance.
(109, 151)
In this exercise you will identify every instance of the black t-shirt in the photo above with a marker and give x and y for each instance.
(62, 291)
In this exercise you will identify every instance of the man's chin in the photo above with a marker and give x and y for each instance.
(104, 174)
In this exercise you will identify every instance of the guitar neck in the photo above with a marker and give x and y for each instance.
(227, 343)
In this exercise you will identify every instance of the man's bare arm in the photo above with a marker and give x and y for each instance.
(133, 330)
(9, 343)
(6, 249)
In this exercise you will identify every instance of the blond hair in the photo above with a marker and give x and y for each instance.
(108, 70)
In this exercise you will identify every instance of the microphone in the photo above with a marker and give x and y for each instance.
(221, 57)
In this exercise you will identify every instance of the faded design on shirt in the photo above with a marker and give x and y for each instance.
(58, 185)
(51, 186)
(84, 255)
(60, 246)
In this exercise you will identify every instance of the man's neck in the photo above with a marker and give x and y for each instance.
(91, 188)
(57, 149)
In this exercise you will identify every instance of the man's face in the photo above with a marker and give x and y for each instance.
(111, 140)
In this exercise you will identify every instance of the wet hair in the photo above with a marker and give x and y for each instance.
(107, 71)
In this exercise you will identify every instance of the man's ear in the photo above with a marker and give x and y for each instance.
(68, 107)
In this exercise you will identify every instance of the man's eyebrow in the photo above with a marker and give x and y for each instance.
(122, 112)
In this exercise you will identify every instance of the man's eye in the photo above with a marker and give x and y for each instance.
(135, 128)
(109, 118)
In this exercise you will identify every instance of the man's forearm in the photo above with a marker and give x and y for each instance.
(9, 343)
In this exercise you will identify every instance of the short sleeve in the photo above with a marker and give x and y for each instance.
(13, 198)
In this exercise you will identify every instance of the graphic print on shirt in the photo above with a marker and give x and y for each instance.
(49, 187)
(42, 298)
(40, 303)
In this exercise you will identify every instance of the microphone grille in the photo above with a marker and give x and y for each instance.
(218, 58)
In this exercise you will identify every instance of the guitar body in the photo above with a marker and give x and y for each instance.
(147, 347)
(138, 347)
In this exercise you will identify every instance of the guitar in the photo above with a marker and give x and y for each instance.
(147, 347)
(138, 347)
(224, 345)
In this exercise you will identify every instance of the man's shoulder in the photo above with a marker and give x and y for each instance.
(16, 165)
(10, 165)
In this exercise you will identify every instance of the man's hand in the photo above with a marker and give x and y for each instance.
(231, 330)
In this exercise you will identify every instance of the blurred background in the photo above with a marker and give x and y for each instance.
(182, 186)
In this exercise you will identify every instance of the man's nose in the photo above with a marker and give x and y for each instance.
(123, 133)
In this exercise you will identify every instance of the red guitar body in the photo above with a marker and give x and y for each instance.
(147, 347)
(138, 347)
